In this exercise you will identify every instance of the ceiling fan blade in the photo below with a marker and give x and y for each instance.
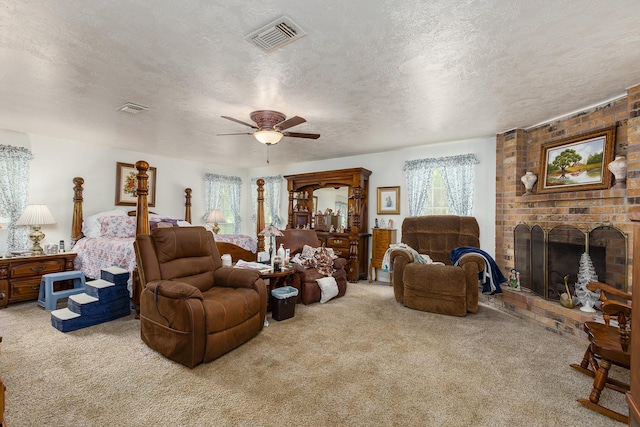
(239, 121)
(239, 133)
(302, 135)
(289, 123)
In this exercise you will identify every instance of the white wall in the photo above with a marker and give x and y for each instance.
(56, 162)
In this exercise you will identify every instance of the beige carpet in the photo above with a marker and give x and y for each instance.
(361, 360)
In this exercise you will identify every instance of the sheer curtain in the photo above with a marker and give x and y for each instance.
(14, 185)
(272, 193)
(223, 192)
(458, 173)
(459, 176)
(419, 175)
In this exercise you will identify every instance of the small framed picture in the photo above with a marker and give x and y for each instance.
(127, 184)
(389, 200)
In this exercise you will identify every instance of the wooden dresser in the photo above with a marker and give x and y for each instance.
(353, 244)
(20, 277)
(382, 238)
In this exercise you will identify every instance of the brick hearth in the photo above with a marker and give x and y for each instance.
(548, 314)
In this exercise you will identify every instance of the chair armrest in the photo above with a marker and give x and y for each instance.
(595, 286)
(339, 263)
(469, 258)
(174, 289)
(231, 277)
(400, 253)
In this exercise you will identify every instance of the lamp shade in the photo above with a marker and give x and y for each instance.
(36, 215)
(215, 217)
(271, 231)
(268, 137)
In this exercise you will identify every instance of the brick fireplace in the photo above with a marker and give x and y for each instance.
(519, 151)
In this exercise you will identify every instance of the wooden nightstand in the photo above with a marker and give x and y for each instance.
(20, 277)
(382, 238)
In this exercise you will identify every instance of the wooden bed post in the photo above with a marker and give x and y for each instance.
(260, 215)
(187, 205)
(76, 224)
(142, 209)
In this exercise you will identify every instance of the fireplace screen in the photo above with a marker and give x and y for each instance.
(545, 258)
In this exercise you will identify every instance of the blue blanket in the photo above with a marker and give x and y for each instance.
(491, 278)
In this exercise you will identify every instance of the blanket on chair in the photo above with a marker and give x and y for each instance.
(491, 277)
(387, 266)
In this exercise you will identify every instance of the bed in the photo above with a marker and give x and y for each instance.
(105, 239)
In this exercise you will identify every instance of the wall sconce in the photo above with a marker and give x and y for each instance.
(36, 216)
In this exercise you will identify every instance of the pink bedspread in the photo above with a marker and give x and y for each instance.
(245, 242)
(101, 252)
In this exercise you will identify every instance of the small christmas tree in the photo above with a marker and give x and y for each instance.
(586, 274)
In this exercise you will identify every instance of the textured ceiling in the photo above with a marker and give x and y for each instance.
(368, 76)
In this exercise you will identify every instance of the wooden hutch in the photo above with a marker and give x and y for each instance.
(353, 244)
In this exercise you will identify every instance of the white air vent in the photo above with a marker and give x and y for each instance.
(132, 108)
(278, 33)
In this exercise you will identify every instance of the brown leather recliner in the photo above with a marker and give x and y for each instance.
(192, 309)
(444, 289)
(304, 279)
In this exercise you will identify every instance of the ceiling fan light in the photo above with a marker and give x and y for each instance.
(268, 137)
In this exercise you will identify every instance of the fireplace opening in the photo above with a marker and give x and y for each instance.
(544, 258)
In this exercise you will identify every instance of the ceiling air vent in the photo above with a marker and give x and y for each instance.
(278, 33)
(132, 108)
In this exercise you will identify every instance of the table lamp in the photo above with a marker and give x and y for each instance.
(36, 216)
(271, 231)
(215, 217)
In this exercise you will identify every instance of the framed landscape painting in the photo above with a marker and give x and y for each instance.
(126, 185)
(578, 163)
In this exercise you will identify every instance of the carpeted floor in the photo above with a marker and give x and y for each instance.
(361, 360)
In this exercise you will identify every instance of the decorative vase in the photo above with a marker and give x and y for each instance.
(529, 179)
(618, 168)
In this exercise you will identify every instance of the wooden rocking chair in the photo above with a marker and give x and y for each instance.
(609, 345)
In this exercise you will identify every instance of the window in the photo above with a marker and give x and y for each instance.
(272, 192)
(223, 192)
(438, 202)
(424, 191)
(14, 182)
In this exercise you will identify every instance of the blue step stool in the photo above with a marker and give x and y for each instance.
(48, 298)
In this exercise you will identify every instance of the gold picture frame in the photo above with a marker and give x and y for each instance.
(126, 185)
(388, 200)
(578, 163)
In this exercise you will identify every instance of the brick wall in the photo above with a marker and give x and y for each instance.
(519, 151)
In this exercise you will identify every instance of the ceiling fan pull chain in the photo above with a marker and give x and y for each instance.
(267, 154)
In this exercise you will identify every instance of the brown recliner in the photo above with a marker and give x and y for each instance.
(304, 279)
(444, 289)
(192, 309)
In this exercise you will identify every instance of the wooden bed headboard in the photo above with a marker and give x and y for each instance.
(142, 206)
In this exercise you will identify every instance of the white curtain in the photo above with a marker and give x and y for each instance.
(459, 178)
(458, 173)
(219, 189)
(419, 175)
(14, 186)
(272, 192)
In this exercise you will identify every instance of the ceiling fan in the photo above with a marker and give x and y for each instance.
(270, 125)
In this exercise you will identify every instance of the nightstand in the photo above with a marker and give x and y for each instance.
(20, 276)
(382, 238)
